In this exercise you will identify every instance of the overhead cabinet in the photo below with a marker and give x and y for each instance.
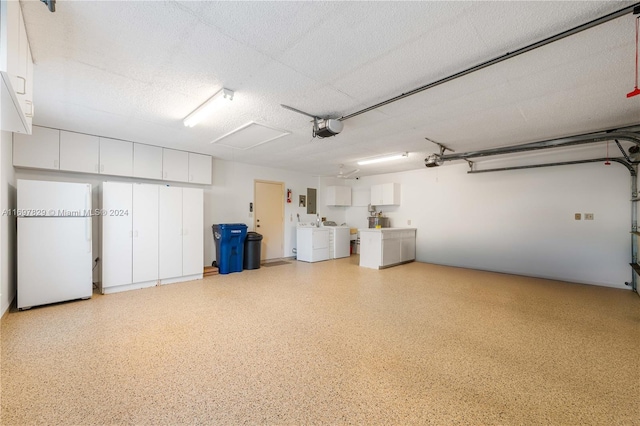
(199, 168)
(151, 235)
(16, 70)
(386, 194)
(116, 157)
(79, 152)
(147, 161)
(40, 150)
(175, 165)
(338, 196)
(54, 149)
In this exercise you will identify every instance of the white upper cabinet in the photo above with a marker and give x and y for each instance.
(199, 168)
(147, 161)
(40, 150)
(79, 152)
(386, 194)
(116, 157)
(175, 165)
(338, 196)
(16, 70)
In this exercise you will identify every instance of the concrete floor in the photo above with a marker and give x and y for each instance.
(329, 343)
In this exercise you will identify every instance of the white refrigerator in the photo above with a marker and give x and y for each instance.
(54, 242)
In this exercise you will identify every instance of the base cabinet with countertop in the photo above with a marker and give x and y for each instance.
(385, 247)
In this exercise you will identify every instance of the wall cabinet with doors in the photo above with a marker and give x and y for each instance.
(338, 196)
(116, 157)
(175, 165)
(16, 70)
(129, 236)
(386, 194)
(79, 152)
(151, 235)
(181, 234)
(54, 149)
(382, 248)
(40, 150)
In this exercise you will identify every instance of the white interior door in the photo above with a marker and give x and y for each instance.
(117, 234)
(170, 226)
(145, 233)
(192, 231)
(269, 216)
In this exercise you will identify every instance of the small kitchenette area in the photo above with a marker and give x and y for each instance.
(379, 244)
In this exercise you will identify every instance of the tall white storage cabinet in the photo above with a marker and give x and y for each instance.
(129, 236)
(160, 241)
(181, 234)
(170, 232)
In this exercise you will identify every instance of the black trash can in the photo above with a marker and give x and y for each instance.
(252, 244)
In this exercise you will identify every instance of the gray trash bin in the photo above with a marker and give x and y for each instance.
(252, 244)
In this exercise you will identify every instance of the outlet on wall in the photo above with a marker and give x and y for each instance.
(588, 216)
(408, 221)
(578, 216)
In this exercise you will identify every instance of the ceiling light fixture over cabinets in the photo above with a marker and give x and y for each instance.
(213, 103)
(382, 159)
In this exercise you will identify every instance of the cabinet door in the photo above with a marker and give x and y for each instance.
(79, 152)
(175, 165)
(39, 150)
(116, 157)
(391, 194)
(145, 233)
(147, 161)
(391, 251)
(408, 249)
(344, 196)
(117, 233)
(371, 249)
(170, 226)
(192, 231)
(376, 195)
(199, 168)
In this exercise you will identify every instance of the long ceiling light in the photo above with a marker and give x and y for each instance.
(385, 158)
(208, 107)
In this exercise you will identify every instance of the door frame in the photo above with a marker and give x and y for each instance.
(282, 187)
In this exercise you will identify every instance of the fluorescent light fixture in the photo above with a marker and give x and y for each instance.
(385, 158)
(213, 103)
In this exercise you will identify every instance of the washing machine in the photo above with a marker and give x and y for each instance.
(339, 239)
(312, 242)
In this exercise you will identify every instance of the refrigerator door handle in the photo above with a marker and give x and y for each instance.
(87, 199)
(88, 234)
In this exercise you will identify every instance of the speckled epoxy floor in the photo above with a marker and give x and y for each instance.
(329, 343)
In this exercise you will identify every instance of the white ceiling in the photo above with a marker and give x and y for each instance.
(133, 70)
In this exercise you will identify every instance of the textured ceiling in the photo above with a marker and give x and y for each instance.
(133, 70)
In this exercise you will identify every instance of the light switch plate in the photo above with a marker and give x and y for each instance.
(588, 216)
(578, 216)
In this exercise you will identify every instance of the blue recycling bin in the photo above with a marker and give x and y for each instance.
(229, 239)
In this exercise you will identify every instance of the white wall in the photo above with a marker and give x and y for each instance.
(519, 222)
(227, 200)
(7, 223)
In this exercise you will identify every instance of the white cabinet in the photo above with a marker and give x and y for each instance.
(16, 70)
(40, 150)
(386, 194)
(338, 196)
(147, 161)
(151, 235)
(145, 233)
(170, 232)
(79, 152)
(129, 236)
(192, 231)
(117, 236)
(199, 168)
(116, 157)
(175, 165)
(381, 248)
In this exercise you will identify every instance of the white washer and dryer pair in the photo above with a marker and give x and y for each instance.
(339, 240)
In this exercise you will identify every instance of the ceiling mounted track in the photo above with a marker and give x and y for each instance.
(561, 163)
(437, 160)
(509, 55)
